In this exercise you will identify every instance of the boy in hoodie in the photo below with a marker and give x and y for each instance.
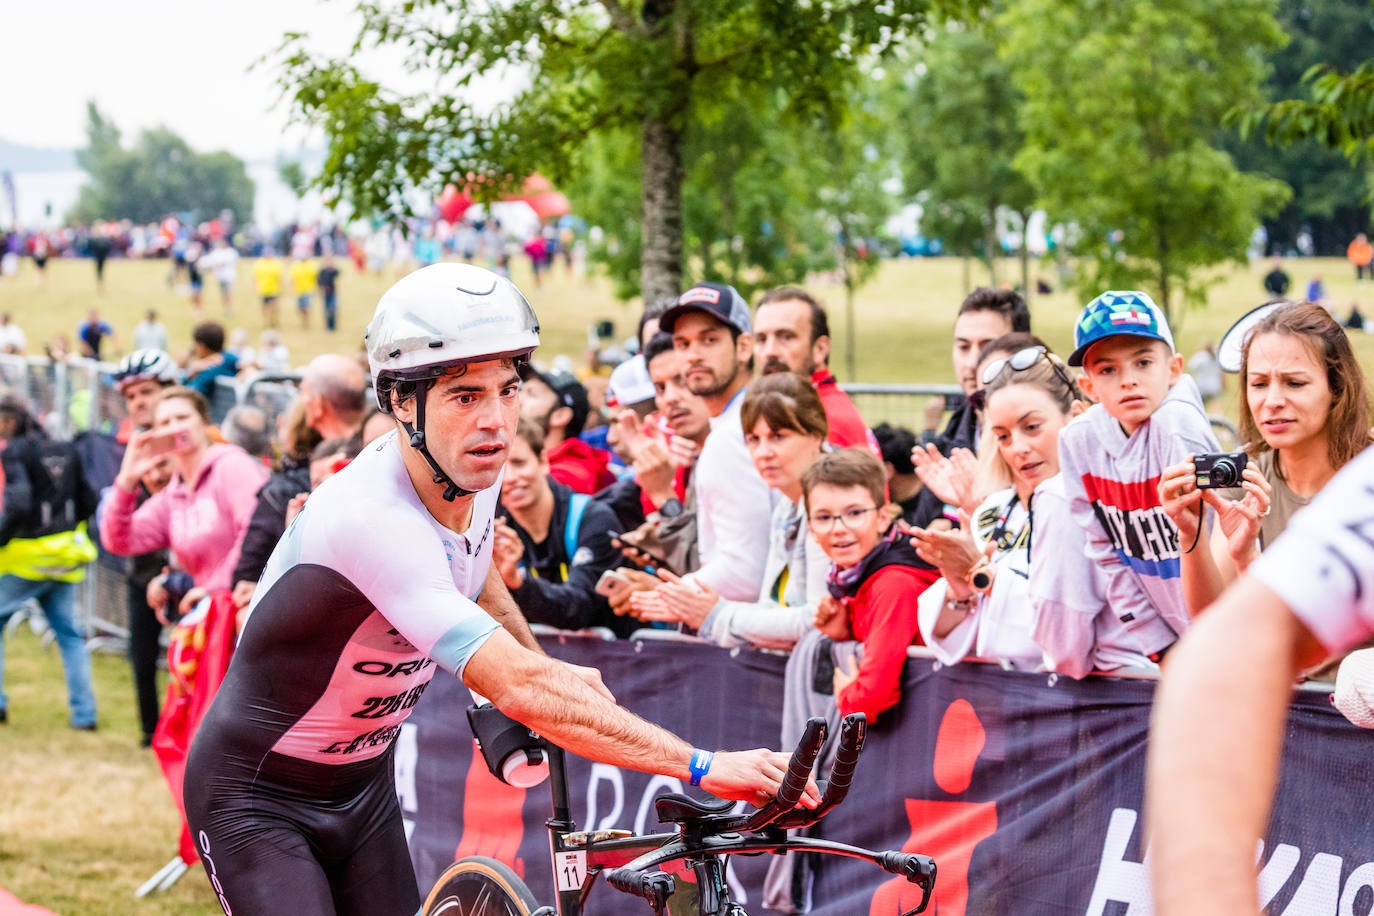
(1105, 582)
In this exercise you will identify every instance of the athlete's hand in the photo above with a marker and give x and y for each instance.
(753, 776)
(592, 678)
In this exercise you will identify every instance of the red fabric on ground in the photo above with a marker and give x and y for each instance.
(11, 905)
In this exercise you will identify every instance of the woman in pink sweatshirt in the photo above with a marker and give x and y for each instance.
(202, 514)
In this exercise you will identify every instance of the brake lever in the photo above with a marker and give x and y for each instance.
(852, 730)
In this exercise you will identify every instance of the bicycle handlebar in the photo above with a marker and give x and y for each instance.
(655, 887)
(794, 783)
(852, 730)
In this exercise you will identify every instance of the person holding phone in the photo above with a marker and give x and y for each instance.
(201, 515)
(785, 429)
(552, 545)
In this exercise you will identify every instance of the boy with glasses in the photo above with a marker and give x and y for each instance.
(874, 581)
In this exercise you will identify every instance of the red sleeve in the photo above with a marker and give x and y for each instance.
(847, 427)
(886, 617)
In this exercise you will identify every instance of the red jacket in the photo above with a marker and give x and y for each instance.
(583, 467)
(847, 428)
(883, 617)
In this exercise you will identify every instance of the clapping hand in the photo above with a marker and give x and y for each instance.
(950, 479)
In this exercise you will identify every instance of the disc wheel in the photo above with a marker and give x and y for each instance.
(479, 886)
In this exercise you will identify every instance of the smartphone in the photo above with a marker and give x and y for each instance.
(162, 443)
(655, 562)
(611, 584)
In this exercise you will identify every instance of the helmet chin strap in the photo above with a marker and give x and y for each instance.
(417, 441)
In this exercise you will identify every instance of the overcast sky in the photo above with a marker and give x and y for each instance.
(181, 63)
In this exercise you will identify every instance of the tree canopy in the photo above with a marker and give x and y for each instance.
(159, 174)
(1122, 102)
(655, 84)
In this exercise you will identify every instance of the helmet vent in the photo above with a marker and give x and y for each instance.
(435, 344)
(394, 353)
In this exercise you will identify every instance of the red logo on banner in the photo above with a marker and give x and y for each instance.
(947, 831)
(492, 821)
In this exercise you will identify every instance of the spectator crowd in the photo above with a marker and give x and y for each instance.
(1062, 514)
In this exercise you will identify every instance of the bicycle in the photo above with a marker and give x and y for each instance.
(678, 874)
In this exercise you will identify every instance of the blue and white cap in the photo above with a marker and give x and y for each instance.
(1118, 312)
(719, 300)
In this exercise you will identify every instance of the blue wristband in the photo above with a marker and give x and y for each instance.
(700, 765)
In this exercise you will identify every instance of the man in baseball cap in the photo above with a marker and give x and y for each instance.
(710, 326)
(718, 300)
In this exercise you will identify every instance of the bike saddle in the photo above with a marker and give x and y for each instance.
(676, 808)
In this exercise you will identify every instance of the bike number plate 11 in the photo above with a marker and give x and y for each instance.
(571, 868)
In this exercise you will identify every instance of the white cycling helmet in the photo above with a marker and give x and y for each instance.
(146, 364)
(445, 315)
(438, 317)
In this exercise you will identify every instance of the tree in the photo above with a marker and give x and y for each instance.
(651, 70)
(160, 174)
(1330, 191)
(1122, 99)
(960, 110)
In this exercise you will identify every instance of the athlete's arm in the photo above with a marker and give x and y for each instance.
(496, 600)
(548, 696)
(1214, 749)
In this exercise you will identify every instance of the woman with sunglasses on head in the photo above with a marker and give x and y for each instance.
(953, 479)
(785, 429)
(981, 607)
(1304, 415)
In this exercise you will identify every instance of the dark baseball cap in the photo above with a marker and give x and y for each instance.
(570, 393)
(721, 301)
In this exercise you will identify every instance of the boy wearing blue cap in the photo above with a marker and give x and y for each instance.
(1125, 603)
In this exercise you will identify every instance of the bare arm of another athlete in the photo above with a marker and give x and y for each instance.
(1214, 749)
(552, 699)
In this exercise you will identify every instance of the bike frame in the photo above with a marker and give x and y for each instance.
(578, 859)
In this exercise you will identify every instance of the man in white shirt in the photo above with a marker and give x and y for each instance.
(12, 339)
(150, 334)
(710, 325)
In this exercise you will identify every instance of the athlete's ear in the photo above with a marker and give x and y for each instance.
(403, 410)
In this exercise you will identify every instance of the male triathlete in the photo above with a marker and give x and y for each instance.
(386, 574)
(1222, 705)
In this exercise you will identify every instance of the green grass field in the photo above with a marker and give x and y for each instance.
(903, 317)
(86, 817)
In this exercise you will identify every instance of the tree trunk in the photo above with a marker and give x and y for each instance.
(660, 270)
(990, 245)
(1025, 255)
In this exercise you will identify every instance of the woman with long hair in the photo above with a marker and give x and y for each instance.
(1304, 414)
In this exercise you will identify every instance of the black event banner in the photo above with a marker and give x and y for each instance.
(1026, 789)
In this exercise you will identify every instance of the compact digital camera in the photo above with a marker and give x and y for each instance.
(1219, 470)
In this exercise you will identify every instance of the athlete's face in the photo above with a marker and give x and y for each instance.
(470, 417)
(139, 398)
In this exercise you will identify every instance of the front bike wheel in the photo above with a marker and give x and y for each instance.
(479, 886)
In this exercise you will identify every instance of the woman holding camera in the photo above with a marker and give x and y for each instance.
(200, 516)
(1304, 415)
